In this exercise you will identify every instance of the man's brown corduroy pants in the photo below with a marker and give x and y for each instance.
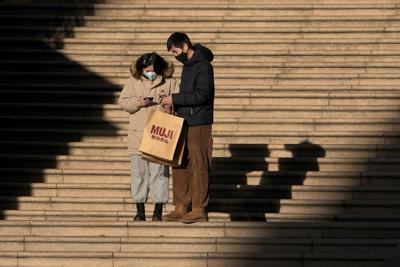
(191, 179)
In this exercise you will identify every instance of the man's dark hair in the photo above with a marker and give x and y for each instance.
(178, 39)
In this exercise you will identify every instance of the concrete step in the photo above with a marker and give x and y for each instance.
(224, 79)
(259, 68)
(337, 14)
(211, 42)
(216, 191)
(254, 178)
(201, 11)
(227, 205)
(230, 102)
(234, 59)
(234, 62)
(199, 29)
(204, 34)
(205, 245)
(214, 6)
(188, 23)
(226, 44)
(104, 259)
(220, 124)
(247, 56)
(111, 111)
(129, 55)
(225, 3)
(242, 96)
(226, 74)
(288, 177)
(242, 137)
(124, 216)
(219, 67)
(219, 150)
(304, 164)
(112, 91)
(119, 75)
(349, 230)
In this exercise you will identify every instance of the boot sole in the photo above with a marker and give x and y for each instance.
(203, 219)
(171, 220)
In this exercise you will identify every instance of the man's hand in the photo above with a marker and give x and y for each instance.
(143, 102)
(167, 101)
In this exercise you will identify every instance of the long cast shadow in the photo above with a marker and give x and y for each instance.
(304, 158)
(247, 189)
(46, 99)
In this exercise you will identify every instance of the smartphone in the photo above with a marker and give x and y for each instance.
(148, 98)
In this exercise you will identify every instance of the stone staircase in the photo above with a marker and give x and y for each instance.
(306, 166)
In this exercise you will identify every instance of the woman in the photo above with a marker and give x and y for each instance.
(151, 80)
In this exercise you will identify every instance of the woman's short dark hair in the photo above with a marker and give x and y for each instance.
(160, 65)
(178, 39)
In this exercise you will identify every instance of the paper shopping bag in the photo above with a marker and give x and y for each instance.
(161, 136)
(178, 156)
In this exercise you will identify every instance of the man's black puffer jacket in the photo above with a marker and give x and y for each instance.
(195, 100)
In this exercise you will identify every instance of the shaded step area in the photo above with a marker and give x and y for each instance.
(256, 68)
(303, 150)
(112, 91)
(220, 124)
(237, 208)
(190, 244)
(317, 178)
(243, 56)
(211, 18)
(237, 163)
(112, 111)
(149, 29)
(252, 99)
(230, 77)
(107, 216)
(274, 58)
(207, 248)
(190, 259)
(227, 44)
(219, 137)
(248, 241)
(232, 191)
(155, 9)
(285, 33)
(41, 46)
(348, 230)
(335, 79)
(110, 94)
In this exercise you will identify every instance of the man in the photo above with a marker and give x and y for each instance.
(194, 103)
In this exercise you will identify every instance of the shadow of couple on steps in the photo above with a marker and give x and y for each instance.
(260, 179)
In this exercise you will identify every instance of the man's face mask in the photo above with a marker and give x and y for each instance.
(149, 75)
(182, 57)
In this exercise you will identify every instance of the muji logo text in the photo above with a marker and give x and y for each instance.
(161, 134)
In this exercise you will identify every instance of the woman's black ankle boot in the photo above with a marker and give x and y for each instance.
(157, 214)
(141, 215)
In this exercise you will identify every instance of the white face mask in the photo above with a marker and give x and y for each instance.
(149, 75)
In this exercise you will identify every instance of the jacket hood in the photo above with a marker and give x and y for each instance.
(200, 53)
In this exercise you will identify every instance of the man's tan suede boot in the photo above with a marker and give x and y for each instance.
(179, 212)
(196, 215)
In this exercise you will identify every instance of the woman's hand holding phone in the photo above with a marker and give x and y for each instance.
(145, 101)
